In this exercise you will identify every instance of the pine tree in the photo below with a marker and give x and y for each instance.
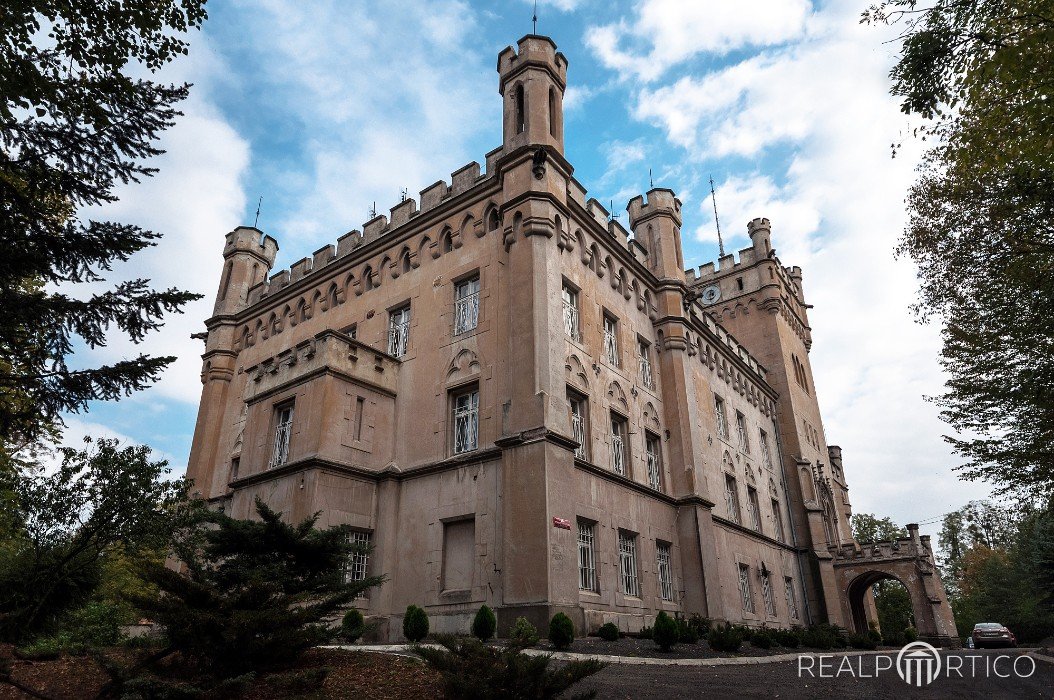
(252, 595)
(74, 124)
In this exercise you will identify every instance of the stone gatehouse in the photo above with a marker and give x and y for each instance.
(517, 401)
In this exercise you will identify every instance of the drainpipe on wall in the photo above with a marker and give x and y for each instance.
(790, 518)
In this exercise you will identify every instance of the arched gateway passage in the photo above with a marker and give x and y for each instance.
(908, 560)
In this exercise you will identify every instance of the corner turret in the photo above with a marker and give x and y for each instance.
(532, 82)
(760, 232)
(656, 223)
(249, 255)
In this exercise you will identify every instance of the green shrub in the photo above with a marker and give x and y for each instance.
(745, 633)
(700, 624)
(646, 632)
(762, 639)
(561, 631)
(352, 626)
(893, 639)
(608, 632)
(824, 636)
(484, 624)
(523, 633)
(415, 623)
(94, 625)
(665, 631)
(725, 638)
(875, 636)
(470, 669)
(862, 641)
(686, 633)
(911, 635)
(788, 638)
(43, 649)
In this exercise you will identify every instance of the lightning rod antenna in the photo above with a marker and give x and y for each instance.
(257, 219)
(717, 222)
(534, 18)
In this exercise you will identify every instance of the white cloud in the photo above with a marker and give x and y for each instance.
(664, 33)
(821, 105)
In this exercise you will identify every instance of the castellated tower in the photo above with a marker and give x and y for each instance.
(517, 402)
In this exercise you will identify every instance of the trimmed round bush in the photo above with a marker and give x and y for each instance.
(725, 638)
(911, 635)
(788, 638)
(665, 631)
(561, 631)
(523, 633)
(415, 623)
(484, 624)
(686, 632)
(762, 639)
(608, 632)
(352, 626)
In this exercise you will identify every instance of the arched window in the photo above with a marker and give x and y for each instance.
(521, 110)
(226, 280)
(493, 222)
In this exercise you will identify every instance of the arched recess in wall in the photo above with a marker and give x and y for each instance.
(617, 397)
(316, 303)
(466, 227)
(651, 416)
(226, 283)
(492, 219)
(576, 374)
(273, 326)
(465, 366)
(445, 244)
(333, 295)
(366, 279)
(727, 463)
(404, 265)
(258, 333)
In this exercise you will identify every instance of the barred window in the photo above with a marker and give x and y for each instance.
(746, 592)
(741, 428)
(662, 551)
(777, 516)
(358, 561)
(466, 306)
(619, 458)
(644, 361)
(731, 498)
(399, 331)
(587, 558)
(283, 431)
(570, 304)
(755, 508)
(792, 598)
(466, 421)
(766, 593)
(579, 422)
(722, 420)
(627, 548)
(653, 451)
(766, 454)
(611, 341)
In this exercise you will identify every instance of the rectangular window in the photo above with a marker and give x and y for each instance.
(741, 428)
(627, 563)
(351, 331)
(644, 360)
(570, 304)
(766, 593)
(731, 498)
(653, 450)
(722, 421)
(587, 557)
(282, 432)
(765, 453)
(755, 508)
(662, 551)
(466, 306)
(459, 550)
(746, 592)
(792, 599)
(236, 464)
(619, 447)
(778, 518)
(466, 421)
(359, 559)
(611, 340)
(579, 408)
(398, 331)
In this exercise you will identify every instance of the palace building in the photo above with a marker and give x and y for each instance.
(517, 401)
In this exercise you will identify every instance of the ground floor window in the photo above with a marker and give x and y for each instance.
(746, 592)
(627, 547)
(662, 551)
(587, 559)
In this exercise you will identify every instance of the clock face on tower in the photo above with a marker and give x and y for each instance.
(710, 294)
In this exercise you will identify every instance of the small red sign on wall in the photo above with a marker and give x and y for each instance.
(562, 523)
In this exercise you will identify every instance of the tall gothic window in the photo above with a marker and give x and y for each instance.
(662, 552)
(755, 508)
(611, 340)
(731, 498)
(653, 453)
(741, 428)
(746, 591)
(283, 431)
(766, 593)
(399, 331)
(358, 561)
(644, 362)
(466, 421)
(587, 556)
(619, 444)
(579, 409)
(722, 419)
(627, 549)
(466, 306)
(570, 304)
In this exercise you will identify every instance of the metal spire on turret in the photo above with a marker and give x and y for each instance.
(720, 241)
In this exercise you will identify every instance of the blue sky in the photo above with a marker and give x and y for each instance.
(323, 108)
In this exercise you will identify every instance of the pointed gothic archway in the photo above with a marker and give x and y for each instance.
(908, 560)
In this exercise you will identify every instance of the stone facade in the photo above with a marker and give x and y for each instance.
(518, 402)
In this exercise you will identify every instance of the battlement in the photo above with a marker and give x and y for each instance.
(660, 200)
(734, 345)
(402, 213)
(534, 50)
(250, 239)
(758, 225)
(725, 265)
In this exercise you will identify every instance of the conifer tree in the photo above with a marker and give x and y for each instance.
(77, 121)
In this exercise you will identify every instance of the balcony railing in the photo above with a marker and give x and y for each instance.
(618, 455)
(571, 321)
(280, 453)
(466, 428)
(398, 335)
(466, 313)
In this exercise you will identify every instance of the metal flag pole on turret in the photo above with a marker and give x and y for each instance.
(534, 18)
(720, 241)
(257, 219)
